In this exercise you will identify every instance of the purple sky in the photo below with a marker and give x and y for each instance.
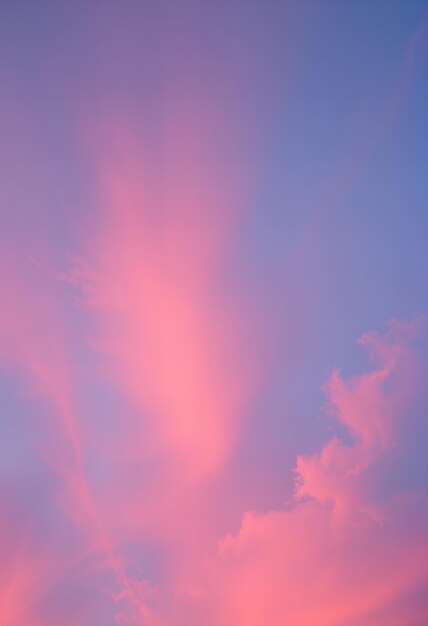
(213, 332)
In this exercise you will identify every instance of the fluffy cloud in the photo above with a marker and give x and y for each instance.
(352, 548)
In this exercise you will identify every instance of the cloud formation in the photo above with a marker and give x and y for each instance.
(173, 294)
(350, 548)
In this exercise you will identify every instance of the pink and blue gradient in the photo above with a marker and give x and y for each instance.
(203, 207)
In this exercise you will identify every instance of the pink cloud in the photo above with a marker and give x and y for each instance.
(174, 336)
(35, 345)
(349, 549)
(340, 553)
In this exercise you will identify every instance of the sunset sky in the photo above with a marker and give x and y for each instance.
(214, 313)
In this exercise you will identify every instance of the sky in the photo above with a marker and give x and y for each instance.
(214, 313)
